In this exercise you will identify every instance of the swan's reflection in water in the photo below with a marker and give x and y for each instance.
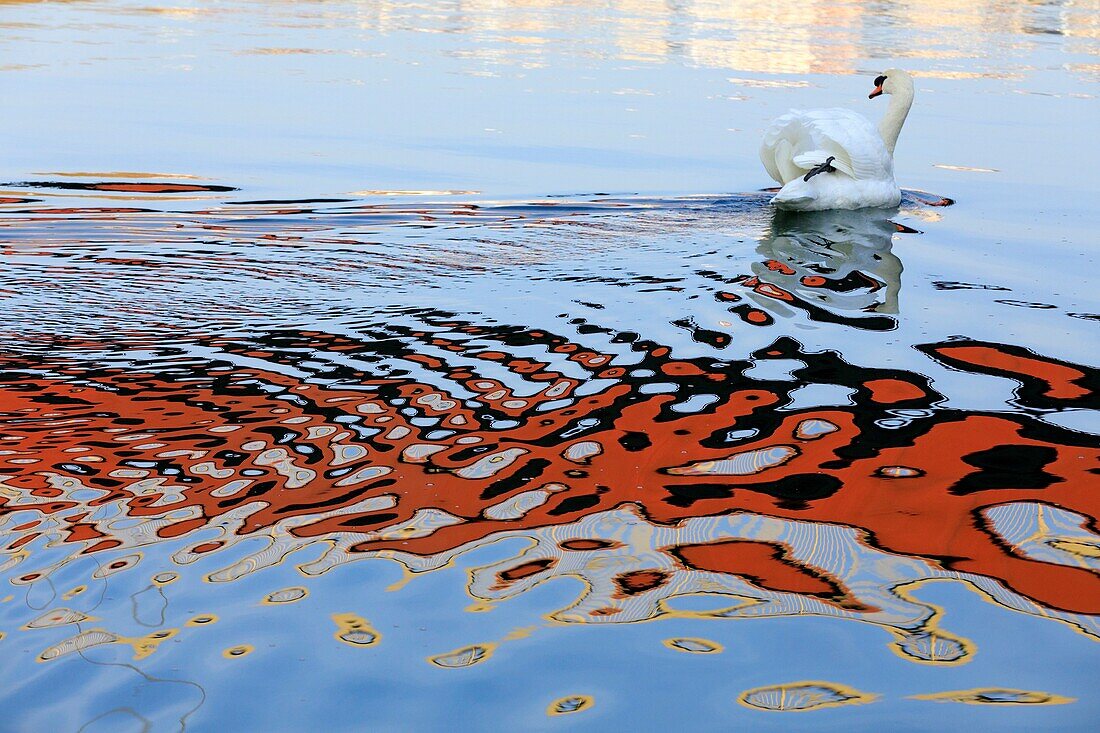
(836, 266)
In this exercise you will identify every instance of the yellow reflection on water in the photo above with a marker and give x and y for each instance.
(118, 174)
(996, 696)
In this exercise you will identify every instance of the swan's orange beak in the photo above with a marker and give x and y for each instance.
(878, 91)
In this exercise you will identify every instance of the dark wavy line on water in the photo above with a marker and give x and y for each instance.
(558, 204)
(122, 186)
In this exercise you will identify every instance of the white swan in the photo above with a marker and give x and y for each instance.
(834, 158)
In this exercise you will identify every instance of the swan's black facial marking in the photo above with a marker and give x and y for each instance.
(825, 167)
(879, 81)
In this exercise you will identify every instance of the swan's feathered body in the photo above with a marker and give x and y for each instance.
(801, 140)
(861, 164)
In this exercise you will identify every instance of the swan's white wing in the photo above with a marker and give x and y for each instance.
(800, 140)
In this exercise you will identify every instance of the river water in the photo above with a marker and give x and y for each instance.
(415, 365)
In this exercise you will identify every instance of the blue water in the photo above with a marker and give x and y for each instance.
(233, 235)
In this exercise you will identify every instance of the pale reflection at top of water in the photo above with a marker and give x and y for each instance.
(957, 40)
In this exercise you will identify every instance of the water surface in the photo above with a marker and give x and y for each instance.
(394, 366)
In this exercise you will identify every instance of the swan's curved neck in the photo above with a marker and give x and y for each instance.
(890, 126)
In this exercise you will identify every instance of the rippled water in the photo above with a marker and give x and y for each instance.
(460, 374)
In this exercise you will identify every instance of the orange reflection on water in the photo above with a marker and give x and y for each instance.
(828, 511)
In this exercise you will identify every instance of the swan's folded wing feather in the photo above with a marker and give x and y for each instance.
(802, 140)
(770, 152)
(783, 139)
(784, 160)
(852, 135)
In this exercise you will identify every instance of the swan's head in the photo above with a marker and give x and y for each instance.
(892, 81)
